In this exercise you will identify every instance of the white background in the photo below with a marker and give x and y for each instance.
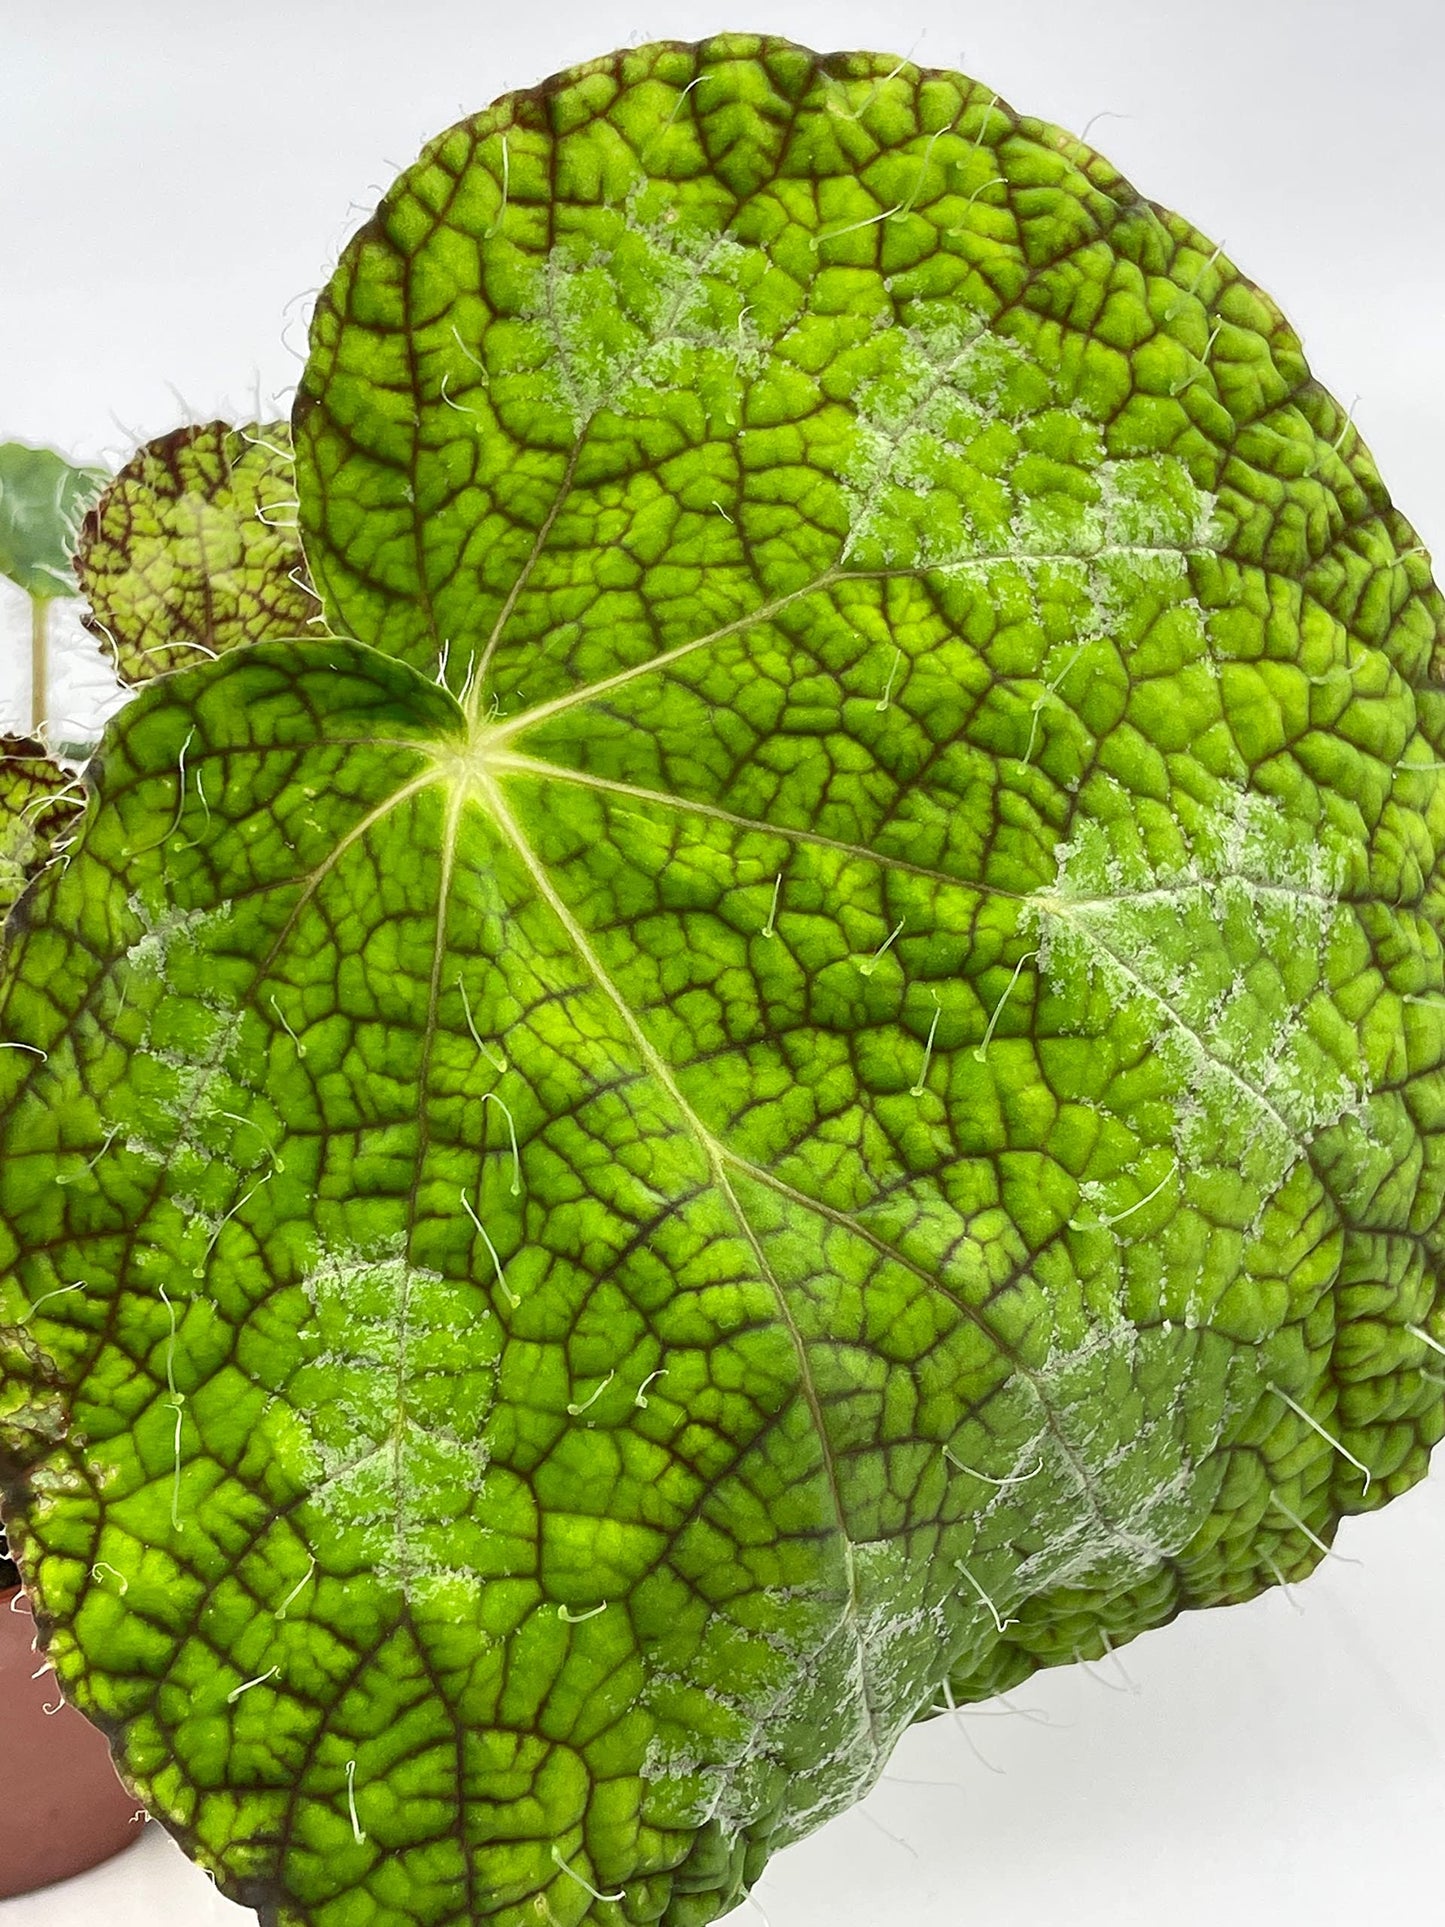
(175, 182)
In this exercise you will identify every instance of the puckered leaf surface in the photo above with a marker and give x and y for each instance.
(808, 1077)
(193, 549)
(35, 803)
(42, 497)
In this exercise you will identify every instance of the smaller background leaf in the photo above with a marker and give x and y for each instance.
(42, 498)
(192, 549)
(32, 811)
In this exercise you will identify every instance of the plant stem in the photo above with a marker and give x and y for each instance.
(39, 614)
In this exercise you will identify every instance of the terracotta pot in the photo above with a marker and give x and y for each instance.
(62, 1808)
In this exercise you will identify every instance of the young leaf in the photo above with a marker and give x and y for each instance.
(193, 549)
(34, 807)
(42, 497)
(840, 1108)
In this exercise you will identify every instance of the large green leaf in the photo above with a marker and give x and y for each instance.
(808, 1076)
(193, 549)
(42, 498)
